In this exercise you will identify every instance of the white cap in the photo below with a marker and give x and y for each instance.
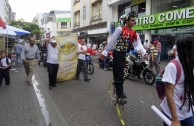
(20, 41)
(53, 41)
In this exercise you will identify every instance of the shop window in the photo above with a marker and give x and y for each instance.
(166, 5)
(141, 7)
(63, 24)
(84, 12)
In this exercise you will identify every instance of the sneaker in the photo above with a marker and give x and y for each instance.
(77, 78)
(29, 83)
(50, 87)
(105, 69)
(87, 80)
(123, 96)
(54, 85)
(122, 101)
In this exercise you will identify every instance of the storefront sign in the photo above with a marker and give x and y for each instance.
(179, 17)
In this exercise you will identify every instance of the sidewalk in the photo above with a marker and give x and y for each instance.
(18, 104)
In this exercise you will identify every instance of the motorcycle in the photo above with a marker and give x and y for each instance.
(43, 57)
(141, 67)
(109, 60)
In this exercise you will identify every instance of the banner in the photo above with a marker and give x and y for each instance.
(67, 57)
(178, 17)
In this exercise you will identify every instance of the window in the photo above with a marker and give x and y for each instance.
(166, 5)
(94, 9)
(63, 24)
(84, 12)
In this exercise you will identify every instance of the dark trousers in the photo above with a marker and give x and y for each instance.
(186, 122)
(4, 73)
(84, 64)
(52, 73)
(118, 71)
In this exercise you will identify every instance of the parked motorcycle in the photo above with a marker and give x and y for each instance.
(141, 67)
(109, 60)
(43, 56)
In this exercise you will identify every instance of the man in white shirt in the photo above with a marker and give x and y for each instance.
(82, 50)
(52, 62)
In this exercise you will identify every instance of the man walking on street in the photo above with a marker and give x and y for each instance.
(18, 51)
(30, 54)
(82, 50)
(52, 61)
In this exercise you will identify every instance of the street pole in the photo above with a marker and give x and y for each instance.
(7, 43)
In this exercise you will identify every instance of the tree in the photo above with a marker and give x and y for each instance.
(31, 27)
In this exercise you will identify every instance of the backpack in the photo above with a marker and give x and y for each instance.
(160, 86)
(7, 61)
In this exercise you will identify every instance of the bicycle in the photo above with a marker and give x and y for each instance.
(115, 100)
(90, 65)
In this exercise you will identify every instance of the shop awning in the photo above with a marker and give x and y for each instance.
(10, 30)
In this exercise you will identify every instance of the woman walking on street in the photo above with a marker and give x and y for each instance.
(178, 104)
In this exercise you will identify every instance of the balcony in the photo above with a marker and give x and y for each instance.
(96, 17)
(76, 24)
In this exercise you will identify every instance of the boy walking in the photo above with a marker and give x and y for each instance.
(5, 64)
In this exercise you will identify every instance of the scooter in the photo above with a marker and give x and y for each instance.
(43, 57)
(141, 67)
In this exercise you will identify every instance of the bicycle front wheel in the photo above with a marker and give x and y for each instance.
(112, 91)
(90, 68)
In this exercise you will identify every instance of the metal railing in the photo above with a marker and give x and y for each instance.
(76, 24)
(96, 17)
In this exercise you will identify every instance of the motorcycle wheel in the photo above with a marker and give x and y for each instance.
(148, 77)
(90, 68)
(44, 63)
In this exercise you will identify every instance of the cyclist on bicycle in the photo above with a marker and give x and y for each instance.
(121, 42)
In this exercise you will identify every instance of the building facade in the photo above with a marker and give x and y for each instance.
(167, 19)
(89, 19)
(54, 23)
(175, 17)
(5, 11)
(13, 16)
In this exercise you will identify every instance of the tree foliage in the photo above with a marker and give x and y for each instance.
(31, 27)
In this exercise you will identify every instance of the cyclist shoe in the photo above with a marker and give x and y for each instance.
(122, 101)
(123, 96)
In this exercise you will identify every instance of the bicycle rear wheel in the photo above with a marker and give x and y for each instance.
(120, 108)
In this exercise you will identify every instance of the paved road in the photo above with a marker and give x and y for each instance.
(88, 103)
(75, 102)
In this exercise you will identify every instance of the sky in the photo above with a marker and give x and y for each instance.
(28, 9)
